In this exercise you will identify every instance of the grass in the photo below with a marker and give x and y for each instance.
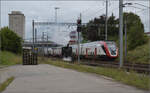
(8, 58)
(132, 78)
(5, 84)
(141, 54)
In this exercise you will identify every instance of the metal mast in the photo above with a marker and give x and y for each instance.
(121, 31)
(79, 41)
(106, 20)
(33, 34)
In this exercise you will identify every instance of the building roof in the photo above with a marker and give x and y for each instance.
(16, 13)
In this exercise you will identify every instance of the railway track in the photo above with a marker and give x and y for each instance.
(140, 68)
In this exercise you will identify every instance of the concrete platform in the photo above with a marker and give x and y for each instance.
(50, 79)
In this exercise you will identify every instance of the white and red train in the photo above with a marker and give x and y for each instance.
(97, 49)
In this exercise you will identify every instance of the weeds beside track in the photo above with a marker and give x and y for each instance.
(128, 66)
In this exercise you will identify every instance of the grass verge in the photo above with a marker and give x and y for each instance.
(8, 58)
(4, 85)
(141, 54)
(132, 78)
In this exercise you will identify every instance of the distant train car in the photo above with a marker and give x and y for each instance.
(56, 51)
(98, 49)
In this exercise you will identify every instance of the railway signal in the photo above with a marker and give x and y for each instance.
(79, 30)
(79, 25)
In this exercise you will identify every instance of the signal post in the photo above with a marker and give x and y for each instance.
(79, 30)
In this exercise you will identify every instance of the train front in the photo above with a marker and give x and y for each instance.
(110, 49)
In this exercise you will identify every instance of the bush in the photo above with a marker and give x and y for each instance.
(140, 54)
(10, 41)
(136, 36)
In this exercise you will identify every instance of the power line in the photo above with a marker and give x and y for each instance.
(84, 12)
(95, 12)
(142, 5)
(135, 7)
(101, 9)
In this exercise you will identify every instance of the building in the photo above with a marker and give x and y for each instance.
(74, 37)
(17, 23)
(147, 33)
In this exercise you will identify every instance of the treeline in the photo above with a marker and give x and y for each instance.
(10, 41)
(95, 29)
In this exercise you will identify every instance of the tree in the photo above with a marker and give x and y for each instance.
(135, 30)
(131, 19)
(92, 31)
(136, 36)
(95, 29)
(10, 41)
(113, 29)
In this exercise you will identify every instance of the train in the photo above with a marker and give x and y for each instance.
(97, 49)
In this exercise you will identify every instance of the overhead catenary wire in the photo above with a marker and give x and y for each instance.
(94, 13)
(99, 10)
(142, 5)
(84, 12)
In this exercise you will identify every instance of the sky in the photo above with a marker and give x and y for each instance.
(43, 11)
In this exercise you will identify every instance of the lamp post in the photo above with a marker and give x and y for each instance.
(56, 8)
(33, 34)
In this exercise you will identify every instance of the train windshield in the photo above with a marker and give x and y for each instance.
(112, 47)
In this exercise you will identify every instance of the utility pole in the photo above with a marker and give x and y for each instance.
(33, 34)
(125, 40)
(106, 20)
(47, 43)
(149, 19)
(78, 47)
(43, 43)
(121, 31)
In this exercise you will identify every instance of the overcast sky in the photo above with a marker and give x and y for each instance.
(69, 12)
